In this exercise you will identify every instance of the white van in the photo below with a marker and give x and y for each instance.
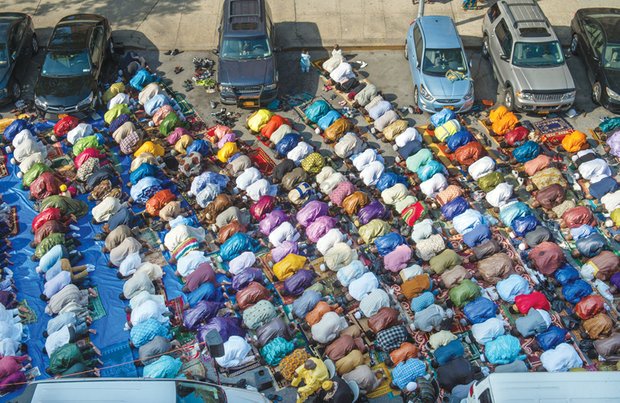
(134, 390)
(556, 387)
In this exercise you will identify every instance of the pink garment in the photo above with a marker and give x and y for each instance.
(537, 164)
(228, 137)
(176, 135)
(161, 114)
(311, 212)
(263, 206)
(319, 227)
(341, 191)
(220, 131)
(271, 221)
(86, 154)
(397, 259)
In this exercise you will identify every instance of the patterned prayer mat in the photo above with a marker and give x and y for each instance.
(4, 170)
(96, 306)
(384, 388)
(553, 130)
(28, 317)
(13, 221)
(114, 355)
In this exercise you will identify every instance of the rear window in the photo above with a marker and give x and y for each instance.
(192, 392)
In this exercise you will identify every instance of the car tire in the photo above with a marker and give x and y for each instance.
(34, 46)
(485, 46)
(16, 89)
(406, 52)
(597, 93)
(110, 46)
(416, 97)
(574, 44)
(508, 98)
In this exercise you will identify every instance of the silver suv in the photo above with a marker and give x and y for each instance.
(527, 58)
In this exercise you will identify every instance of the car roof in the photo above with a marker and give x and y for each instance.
(11, 17)
(244, 18)
(609, 20)
(439, 32)
(527, 20)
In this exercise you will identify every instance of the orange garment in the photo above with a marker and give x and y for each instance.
(415, 286)
(576, 141)
(507, 122)
(158, 201)
(497, 113)
(354, 202)
(316, 314)
(404, 352)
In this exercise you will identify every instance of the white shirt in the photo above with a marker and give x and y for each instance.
(106, 208)
(188, 263)
(325, 173)
(422, 230)
(434, 185)
(241, 262)
(394, 194)
(488, 330)
(82, 130)
(235, 350)
(142, 297)
(10, 330)
(596, 167)
(119, 99)
(347, 145)
(207, 194)
(130, 264)
(280, 132)
(301, 150)
(180, 233)
(361, 160)
(342, 73)
(363, 285)
(466, 221)
(328, 328)
(481, 167)
(561, 359)
(372, 172)
(248, 177)
(261, 188)
(283, 232)
(9, 347)
(331, 237)
(373, 301)
(30, 160)
(154, 271)
(149, 309)
(611, 201)
(57, 283)
(499, 195)
(57, 339)
(28, 147)
(330, 183)
(351, 272)
(408, 135)
(21, 137)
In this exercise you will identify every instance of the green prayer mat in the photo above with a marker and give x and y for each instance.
(29, 317)
(182, 337)
(96, 306)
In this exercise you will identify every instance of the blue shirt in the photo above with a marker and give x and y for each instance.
(408, 371)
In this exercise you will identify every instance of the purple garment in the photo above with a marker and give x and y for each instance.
(228, 137)
(246, 277)
(176, 135)
(280, 252)
(319, 227)
(615, 280)
(397, 259)
(226, 326)
(298, 282)
(311, 211)
(201, 312)
(271, 221)
(613, 142)
(375, 209)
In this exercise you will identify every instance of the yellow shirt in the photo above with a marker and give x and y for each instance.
(151, 148)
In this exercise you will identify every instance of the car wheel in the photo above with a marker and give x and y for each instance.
(597, 93)
(574, 43)
(406, 52)
(509, 98)
(16, 89)
(111, 46)
(416, 97)
(485, 47)
(35, 44)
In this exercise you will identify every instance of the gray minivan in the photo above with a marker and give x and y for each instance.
(527, 58)
(247, 73)
(134, 390)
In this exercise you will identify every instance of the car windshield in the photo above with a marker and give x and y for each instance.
(195, 392)
(66, 64)
(611, 56)
(245, 48)
(437, 62)
(4, 57)
(538, 54)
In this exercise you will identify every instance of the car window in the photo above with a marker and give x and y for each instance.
(504, 37)
(66, 64)
(538, 54)
(611, 56)
(437, 62)
(21, 29)
(13, 40)
(493, 12)
(595, 37)
(4, 56)
(245, 48)
(194, 392)
(417, 39)
(97, 44)
(485, 397)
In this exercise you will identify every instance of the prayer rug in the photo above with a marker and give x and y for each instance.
(553, 130)
(263, 161)
(96, 306)
(186, 108)
(28, 317)
(176, 306)
(14, 221)
(384, 388)
(181, 336)
(4, 171)
(194, 367)
(118, 361)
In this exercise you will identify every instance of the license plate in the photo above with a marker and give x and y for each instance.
(449, 107)
(249, 103)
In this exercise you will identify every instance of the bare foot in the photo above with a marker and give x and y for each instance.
(93, 331)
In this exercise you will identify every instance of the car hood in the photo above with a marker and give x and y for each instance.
(237, 395)
(65, 91)
(548, 78)
(246, 72)
(613, 80)
(442, 88)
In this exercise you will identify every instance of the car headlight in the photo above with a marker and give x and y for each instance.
(271, 86)
(470, 93)
(226, 88)
(86, 101)
(568, 95)
(4, 92)
(40, 103)
(526, 96)
(425, 94)
(613, 95)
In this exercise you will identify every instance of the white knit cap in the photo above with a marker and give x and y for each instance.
(357, 315)
(411, 386)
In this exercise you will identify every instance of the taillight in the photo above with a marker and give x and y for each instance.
(471, 391)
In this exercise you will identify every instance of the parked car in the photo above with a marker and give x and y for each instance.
(596, 38)
(433, 48)
(18, 42)
(69, 78)
(527, 58)
(247, 73)
(135, 390)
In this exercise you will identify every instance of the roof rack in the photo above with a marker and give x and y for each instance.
(244, 9)
(536, 17)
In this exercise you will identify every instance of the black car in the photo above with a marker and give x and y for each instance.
(596, 37)
(247, 73)
(18, 42)
(69, 77)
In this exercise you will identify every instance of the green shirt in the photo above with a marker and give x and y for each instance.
(489, 181)
(64, 358)
(48, 243)
(34, 172)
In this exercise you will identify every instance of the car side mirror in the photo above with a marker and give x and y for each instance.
(216, 51)
(277, 49)
(503, 57)
(471, 64)
(568, 55)
(14, 56)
